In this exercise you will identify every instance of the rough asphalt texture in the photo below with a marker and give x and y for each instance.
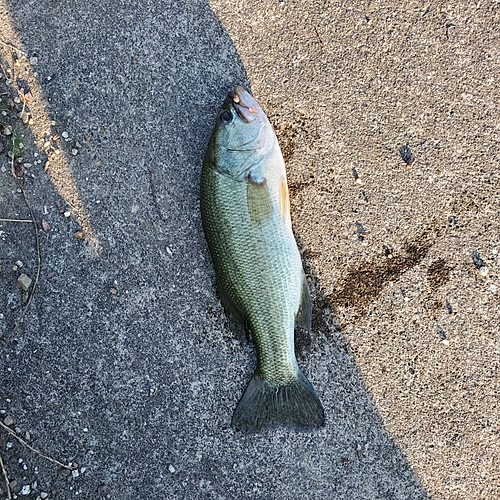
(125, 362)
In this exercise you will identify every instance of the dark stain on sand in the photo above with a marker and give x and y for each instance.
(364, 282)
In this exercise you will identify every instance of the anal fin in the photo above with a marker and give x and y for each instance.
(303, 317)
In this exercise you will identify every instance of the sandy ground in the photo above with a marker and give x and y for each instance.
(387, 113)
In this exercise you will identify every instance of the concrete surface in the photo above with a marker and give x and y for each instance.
(125, 363)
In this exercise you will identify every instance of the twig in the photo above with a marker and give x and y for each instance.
(24, 443)
(7, 485)
(39, 259)
(13, 47)
(319, 38)
(155, 197)
(16, 220)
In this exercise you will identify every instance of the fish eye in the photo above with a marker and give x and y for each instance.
(226, 116)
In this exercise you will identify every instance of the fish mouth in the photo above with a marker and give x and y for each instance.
(244, 104)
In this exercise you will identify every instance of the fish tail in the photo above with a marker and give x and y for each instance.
(266, 405)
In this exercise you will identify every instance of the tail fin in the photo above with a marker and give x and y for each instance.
(266, 405)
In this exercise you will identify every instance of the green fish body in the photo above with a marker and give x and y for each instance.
(246, 219)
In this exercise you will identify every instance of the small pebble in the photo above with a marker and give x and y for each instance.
(483, 271)
(493, 288)
(19, 263)
(24, 282)
(8, 420)
(44, 495)
(113, 291)
(476, 258)
(441, 333)
(26, 489)
(448, 306)
(171, 468)
(7, 131)
(75, 473)
(79, 234)
(33, 61)
(27, 436)
(65, 134)
(74, 151)
(67, 214)
(445, 342)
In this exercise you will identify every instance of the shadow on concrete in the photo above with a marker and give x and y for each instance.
(125, 364)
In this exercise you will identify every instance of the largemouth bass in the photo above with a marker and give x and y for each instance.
(246, 218)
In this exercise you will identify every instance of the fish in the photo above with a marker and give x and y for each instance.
(245, 211)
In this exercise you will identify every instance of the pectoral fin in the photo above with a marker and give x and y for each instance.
(259, 201)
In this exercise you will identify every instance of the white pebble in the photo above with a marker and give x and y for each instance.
(65, 134)
(33, 61)
(74, 151)
(493, 288)
(75, 473)
(445, 342)
(26, 489)
(44, 495)
(484, 271)
(171, 468)
(19, 263)
(67, 214)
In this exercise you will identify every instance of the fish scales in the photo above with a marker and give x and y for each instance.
(245, 213)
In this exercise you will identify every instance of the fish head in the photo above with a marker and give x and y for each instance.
(242, 134)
